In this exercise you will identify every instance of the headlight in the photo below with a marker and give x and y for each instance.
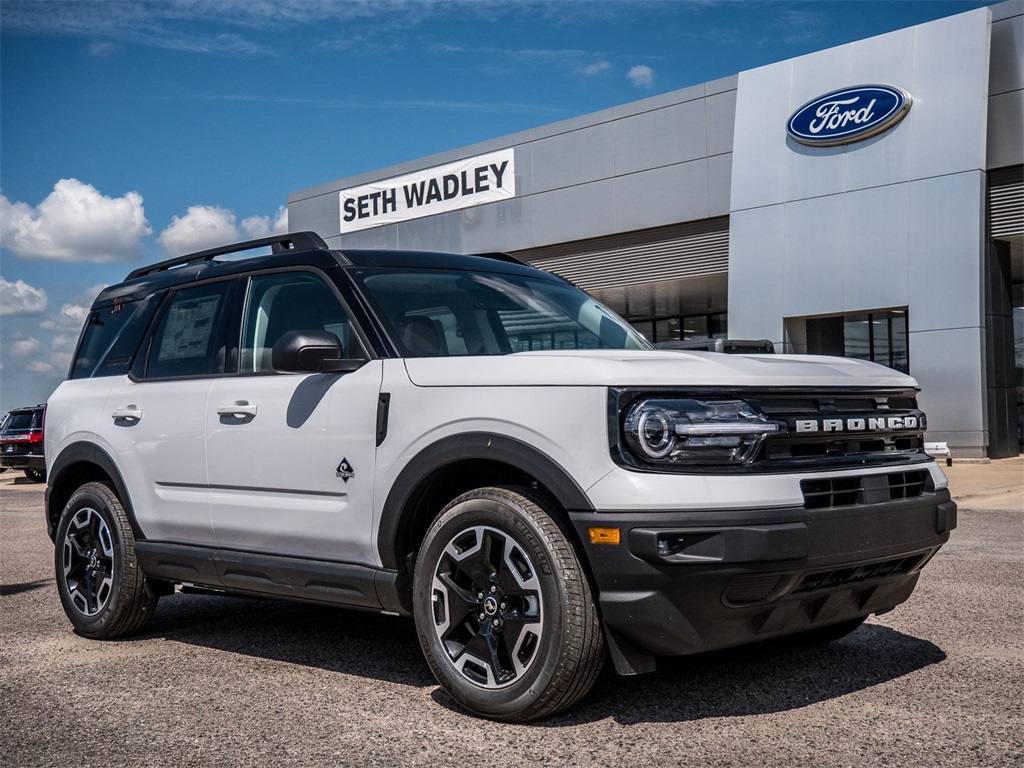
(689, 431)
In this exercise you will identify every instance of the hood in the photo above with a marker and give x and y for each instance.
(655, 368)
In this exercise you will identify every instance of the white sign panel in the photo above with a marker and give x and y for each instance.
(473, 181)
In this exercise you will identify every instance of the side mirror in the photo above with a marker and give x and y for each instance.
(310, 352)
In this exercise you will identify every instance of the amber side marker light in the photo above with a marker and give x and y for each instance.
(604, 535)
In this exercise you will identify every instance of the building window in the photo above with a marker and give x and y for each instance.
(713, 326)
(880, 337)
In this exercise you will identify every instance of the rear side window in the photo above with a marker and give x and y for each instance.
(111, 337)
(101, 329)
(190, 338)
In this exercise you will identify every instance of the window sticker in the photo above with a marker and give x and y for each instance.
(189, 328)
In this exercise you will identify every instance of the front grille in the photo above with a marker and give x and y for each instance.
(823, 492)
(907, 485)
(843, 576)
(752, 588)
(845, 428)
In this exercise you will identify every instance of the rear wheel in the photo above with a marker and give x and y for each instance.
(103, 592)
(503, 609)
(36, 475)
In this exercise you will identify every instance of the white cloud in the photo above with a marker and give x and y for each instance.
(101, 50)
(262, 226)
(25, 347)
(75, 223)
(641, 76)
(202, 227)
(20, 298)
(70, 318)
(62, 348)
(595, 69)
(40, 366)
(209, 226)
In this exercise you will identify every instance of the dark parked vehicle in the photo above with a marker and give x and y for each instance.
(21, 442)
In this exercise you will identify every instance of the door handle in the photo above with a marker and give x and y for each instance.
(128, 413)
(240, 409)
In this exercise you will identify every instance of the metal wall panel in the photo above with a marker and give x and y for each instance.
(675, 134)
(951, 81)
(952, 387)
(719, 174)
(756, 300)
(1005, 129)
(876, 258)
(813, 265)
(946, 234)
(760, 168)
(568, 159)
(721, 122)
(1007, 61)
(669, 194)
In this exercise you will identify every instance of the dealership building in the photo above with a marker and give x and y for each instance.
(866, 200)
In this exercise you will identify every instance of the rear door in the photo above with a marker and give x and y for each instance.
(154, 421)
(291, 456)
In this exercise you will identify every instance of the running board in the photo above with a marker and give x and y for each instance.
(318, 581)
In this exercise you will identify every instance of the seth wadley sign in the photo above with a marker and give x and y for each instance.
(473, 181)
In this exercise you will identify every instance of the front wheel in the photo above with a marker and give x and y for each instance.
(503, 609)
(102, 589)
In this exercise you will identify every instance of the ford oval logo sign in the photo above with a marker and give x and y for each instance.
(848, 115)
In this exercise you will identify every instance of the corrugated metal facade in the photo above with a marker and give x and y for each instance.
(667, 253)
(1006, 202)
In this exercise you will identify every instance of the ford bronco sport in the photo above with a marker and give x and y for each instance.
(481, 446)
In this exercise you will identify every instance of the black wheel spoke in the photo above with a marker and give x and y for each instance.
(493, 549)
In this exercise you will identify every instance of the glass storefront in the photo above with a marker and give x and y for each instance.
(712, 326)
(1018, 354)
(879, 336)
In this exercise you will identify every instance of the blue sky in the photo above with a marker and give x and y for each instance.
(134, 130)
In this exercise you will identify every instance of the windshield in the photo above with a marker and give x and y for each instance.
(438, 313)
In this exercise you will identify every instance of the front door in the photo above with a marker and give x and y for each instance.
(290, 457)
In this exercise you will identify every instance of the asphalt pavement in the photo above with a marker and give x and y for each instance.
(243, 682)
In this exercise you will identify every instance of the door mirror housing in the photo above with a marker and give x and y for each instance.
(310, 352)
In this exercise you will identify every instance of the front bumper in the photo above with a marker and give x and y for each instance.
(686, 582)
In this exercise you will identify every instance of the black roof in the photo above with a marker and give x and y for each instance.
(297, 249)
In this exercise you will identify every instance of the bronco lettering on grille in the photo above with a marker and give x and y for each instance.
(858, 424)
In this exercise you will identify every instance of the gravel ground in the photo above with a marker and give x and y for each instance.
(226, 681)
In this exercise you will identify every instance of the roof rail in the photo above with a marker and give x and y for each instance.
(499, 256)
(278, 244)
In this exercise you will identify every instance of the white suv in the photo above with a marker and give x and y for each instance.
(479, 445)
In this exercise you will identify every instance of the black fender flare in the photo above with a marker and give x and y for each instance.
(463, 447)
(85, 452)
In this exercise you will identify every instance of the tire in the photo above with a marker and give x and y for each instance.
(503, 608)
(103, 592)
(36, 475)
